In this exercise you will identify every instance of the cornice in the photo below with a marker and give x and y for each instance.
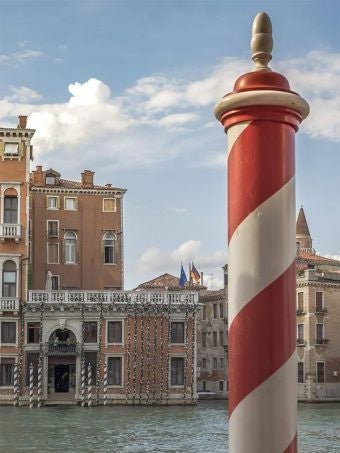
(118, 193)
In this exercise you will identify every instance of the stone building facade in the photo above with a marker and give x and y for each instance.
(68, 331)
(15, 155)
(76, 233)
(318, 320)
(212, 345)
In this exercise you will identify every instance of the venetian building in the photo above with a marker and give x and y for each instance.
(15, 155)
(318, 318)
(69, 332)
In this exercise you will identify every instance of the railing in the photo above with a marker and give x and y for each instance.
(69, 297)
(300, 312)
(320, 311)
(10, 230)
(301, 342)
(321, 341)
(62, 348)
(9, 304)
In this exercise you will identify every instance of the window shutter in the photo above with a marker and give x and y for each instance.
(58, 202)
(46, 201)
(2, 149)
(78, 251)
(21, 147)
(62, 258)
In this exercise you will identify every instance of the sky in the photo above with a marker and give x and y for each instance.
(127, 89)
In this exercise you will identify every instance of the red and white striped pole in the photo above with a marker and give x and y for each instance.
(261, 117)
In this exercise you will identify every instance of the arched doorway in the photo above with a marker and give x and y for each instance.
(62, 352)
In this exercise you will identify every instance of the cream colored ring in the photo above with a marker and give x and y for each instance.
(262, 97)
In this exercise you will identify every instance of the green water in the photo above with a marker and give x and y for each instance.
(148, 429)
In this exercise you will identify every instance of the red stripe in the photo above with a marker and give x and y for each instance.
(262, 336)
(292, 447)
(260, 162)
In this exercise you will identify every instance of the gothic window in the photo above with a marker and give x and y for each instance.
(109, 247)
(70, 241)
(11, 209)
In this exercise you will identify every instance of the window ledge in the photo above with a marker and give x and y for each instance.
(115, 386)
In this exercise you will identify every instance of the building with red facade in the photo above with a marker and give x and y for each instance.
(69, 333)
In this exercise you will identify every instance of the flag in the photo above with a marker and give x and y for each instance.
(195, 275)
(183, 278)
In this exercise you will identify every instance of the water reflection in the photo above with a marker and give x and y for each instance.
(148, 429)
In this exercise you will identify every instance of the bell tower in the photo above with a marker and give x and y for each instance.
(304, 240)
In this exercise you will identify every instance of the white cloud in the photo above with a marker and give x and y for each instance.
(129, 130)
(177, 119)
(20, 57)
(155, 261)
(23, 94)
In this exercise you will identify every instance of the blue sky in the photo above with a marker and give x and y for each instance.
(127, 88)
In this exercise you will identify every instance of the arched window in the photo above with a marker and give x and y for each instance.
(109, 248)
(70, 241)
(9, 279)
(11, 209)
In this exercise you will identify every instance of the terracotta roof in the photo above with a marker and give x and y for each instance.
(312, 258)
(301, 224)
(68, 184)
(212, 294)
(168, 281)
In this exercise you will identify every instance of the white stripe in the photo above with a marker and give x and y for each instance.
(234, 132)
(261, 248)
(266, 420)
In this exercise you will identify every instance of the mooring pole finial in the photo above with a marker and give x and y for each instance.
(261, 41)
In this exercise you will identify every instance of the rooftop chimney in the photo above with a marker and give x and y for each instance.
(87, 179)
(38, 176)
(22, 122)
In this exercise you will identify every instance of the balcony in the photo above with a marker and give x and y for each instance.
(300, 342)
(61, 348)
(71, 297)
(300, 312)
(9, 304)
(10, 231)
(321, 341)
(320, 310)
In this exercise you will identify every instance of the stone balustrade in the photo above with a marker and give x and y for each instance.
(10, 231)
(109, 297)
(9, 304)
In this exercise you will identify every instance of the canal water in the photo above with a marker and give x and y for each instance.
(148, 429)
